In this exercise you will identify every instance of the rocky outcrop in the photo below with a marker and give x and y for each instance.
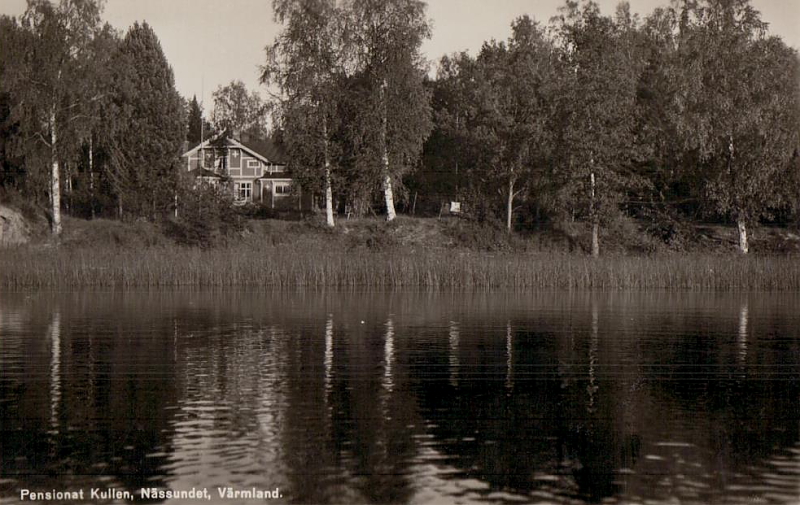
(14, 229)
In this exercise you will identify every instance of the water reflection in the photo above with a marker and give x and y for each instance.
(454, 341)
(555, 397)
(54, 334)
(509, 356)
(741, 341)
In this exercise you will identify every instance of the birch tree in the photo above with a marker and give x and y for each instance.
(49, 83)
(237, 110)
(515, 97)
(308, 62)
(387, 35)
(597, 105)
(738, 104)
(96, 125)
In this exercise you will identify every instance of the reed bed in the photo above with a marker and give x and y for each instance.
(292, 266)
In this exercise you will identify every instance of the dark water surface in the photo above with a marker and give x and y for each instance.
(404, 398)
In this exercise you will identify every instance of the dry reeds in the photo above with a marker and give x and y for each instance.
(292, 265)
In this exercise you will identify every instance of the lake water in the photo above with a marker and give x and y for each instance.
(547, 397)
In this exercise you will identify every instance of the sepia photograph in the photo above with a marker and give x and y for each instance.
(412, 252)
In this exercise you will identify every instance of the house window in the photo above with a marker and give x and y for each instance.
(283, 189)
(245, 192)
(253, 164)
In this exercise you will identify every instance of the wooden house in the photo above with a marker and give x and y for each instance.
(253, 170)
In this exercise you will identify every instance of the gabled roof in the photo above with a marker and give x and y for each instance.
(268, 149)
(265, 150)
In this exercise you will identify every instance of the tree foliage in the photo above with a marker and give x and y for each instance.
(691, 111)
(152, 126)
(238, 110)
(47, 82)
(307, 62)
(598, 125)
(513, 123)
(197, 127)
(738, 107)
(392, 116)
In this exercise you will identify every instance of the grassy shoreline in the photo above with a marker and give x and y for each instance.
(288, 266)
(409, 253)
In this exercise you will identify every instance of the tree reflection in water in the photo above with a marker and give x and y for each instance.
(405, 397)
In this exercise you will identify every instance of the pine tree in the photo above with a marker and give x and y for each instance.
(195, 126)
(147, 147)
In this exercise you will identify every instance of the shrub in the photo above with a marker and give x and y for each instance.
(206, 217)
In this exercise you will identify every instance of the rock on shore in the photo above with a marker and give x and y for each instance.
(13, 227)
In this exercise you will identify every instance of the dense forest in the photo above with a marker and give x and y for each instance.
(690, 113)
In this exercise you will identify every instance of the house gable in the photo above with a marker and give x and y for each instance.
(253, 170)
(232, 143)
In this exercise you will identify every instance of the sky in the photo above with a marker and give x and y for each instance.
(210, 43)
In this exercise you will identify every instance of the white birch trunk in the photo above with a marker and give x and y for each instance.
(510, 205)
(740, 222)
(744, 247)
(328, 186)
(595, 223)
(387, 178)
(389, 197)
(55, 181)
(91, 175)
(328, 197)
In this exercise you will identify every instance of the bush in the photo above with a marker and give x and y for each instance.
(206, 217)
(256, 211)
(482, 235)
(131, 235)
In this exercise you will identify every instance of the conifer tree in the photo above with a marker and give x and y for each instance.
(195, 126)
(147, 146)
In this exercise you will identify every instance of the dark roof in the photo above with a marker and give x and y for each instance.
(267, 149)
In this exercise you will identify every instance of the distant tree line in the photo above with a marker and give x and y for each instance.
(691, 111)
(89, 116)
(90, 121)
